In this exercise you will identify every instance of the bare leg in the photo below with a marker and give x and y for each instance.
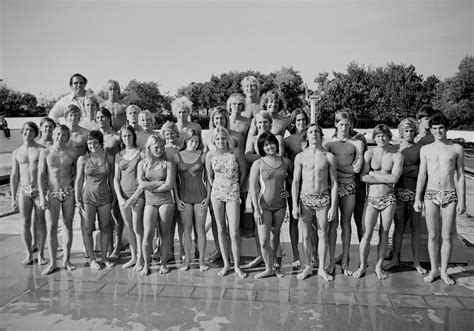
(322, 222)
(359, 209)
(166, 213)
(137, 218)
(432, 223)
(187, 216)
(150, 215)
(52, 217)
(105, 223)
(116, 231)
(233, 215)
(87, 227)
(346, 205)
(294, 237)
(266, 249)
(216, 255)
(447, 233)
(331, 237)
(306, 226)
(415, 220)
(219, 212)
(370, 218)
(68, 217)
(400, 219)
(127, 218)
(278, 217)
(40, 230)
(25, 205)
(200, 228)
(386, 221)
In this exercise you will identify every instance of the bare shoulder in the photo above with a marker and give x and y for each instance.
(458, 148)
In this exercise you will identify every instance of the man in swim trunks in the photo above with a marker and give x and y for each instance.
(56, 170)
(115, 105)
(405, 194)
(24, 181)
(381, 171)
(349, 159)
(316, 168)
(78, 135)
(424, 136)
(251, 89)
(444, 195)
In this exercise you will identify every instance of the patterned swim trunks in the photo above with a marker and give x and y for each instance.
(345, 189)
(441, 198)
(382, 202)
(404, 194)
(315, 201)
(29, 191)
(61, 194)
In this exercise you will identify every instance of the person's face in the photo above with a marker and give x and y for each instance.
(221, 141)
(236, 107)
(262, 124)
(344, 127)
(60, 137)
(250, 89)
(132, 116)
(424, 123)
(112, 91)
(73, 118)
(382, 139)
(28, 133)
(127, 137)
(145, 122)
(219, 120)
(269, 148)
(438, 131)
(101, 119)
(313, 136)
(47, 129)
(409, 134)
(272, 105)
(192, 144)
(157, 149)
(90, 108)
(170, 136)
(78, 86)
(93, 145)
(300, 122)
(182, 115)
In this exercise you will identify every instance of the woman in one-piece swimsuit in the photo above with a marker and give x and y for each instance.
(226, 172)
(125, 184)
(192, 197)
(268, 193)
(95, 173)
(156, 177)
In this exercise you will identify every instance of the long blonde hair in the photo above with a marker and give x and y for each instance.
(149, 158)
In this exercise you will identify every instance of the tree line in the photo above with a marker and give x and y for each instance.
(382, 94)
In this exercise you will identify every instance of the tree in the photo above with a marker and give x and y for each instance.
(17, 104)
(146, 95)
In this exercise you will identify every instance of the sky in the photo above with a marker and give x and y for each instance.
(178, 42)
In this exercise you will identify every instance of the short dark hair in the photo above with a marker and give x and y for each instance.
(106, 113)
(382, 128)
(266, 137)
(192, 133)
(77, 75)
(96, 134)
(438, 119)
(31, 125)
(73, 109)
(304, 135)
(48, 119)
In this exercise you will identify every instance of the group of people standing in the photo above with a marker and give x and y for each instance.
(106, 161)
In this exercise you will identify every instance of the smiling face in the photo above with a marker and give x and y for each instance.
(157, 149)
(145, 122)
(269, 148)
(344, 127)
(102, 120)
(219, 120)
(192, 144)
(300, 122)
(439, 131)
(236, 107)
(60, 137)
(272, 105)
(250, 89)
(78, 86)
(262, 124)
(47, 129)
(382, 139)
(73, 118)
(221, 142)
(93, 145)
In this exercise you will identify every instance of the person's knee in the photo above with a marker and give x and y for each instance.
(447, 237)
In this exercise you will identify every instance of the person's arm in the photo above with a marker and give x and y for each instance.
(179, 203)
(209, 170)
(250, 153)
(254, 188)
(364, 173)
(14, 180)
(145, 184)
(79, 183)
(461, 177)
(289, 176)
(332, 212)
(394, 175)
(242, 166)
(170, 181)
(281, 145)
(110, 159)
(205, 202)
(42, 173)
(420, 182)
(252, 129)
(295, 186)
(117, 177)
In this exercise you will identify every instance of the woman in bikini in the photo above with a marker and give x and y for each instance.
(125, 184)
(226, 171)
(192, 196)
(267, 190)
(156, 177)
(94, 196)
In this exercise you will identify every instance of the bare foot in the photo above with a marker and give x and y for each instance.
(346, 271)
(265, 273)
(224, 271)
(359, 273)
(42, 260)
(95, 265)
(447, 280)
(28, 260)
(184, 267)
(129, 264)
(380, 274)
(431, 276)
(240, 273)
(307, 271)
(391, 264)
(203, 267)
(49, 269)
(138, 267)
(255, 262)
(69, 266)
(145, 271)
(296, 264)
(325, 275)
(420, 269)
(164, 269)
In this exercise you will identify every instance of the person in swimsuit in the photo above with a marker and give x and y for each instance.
(91, 106)
(251, 89)
(156, 177)
(192, 196)
(226, 171)
(146, 122)
(77, 142)
(125, 184)
(294, 145)
(47, 126)
(268, 193)
(445, 194)
(94, 196)
(405, 194)
(132, 112)
(24, 182)
(381, 171)
(315, 173)
(170, 133)
(349, 159)
(424, 136)
(56, 192)
(237, 122)
(220, 118)
(182, 107)
(112, 146)
(114, 105)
